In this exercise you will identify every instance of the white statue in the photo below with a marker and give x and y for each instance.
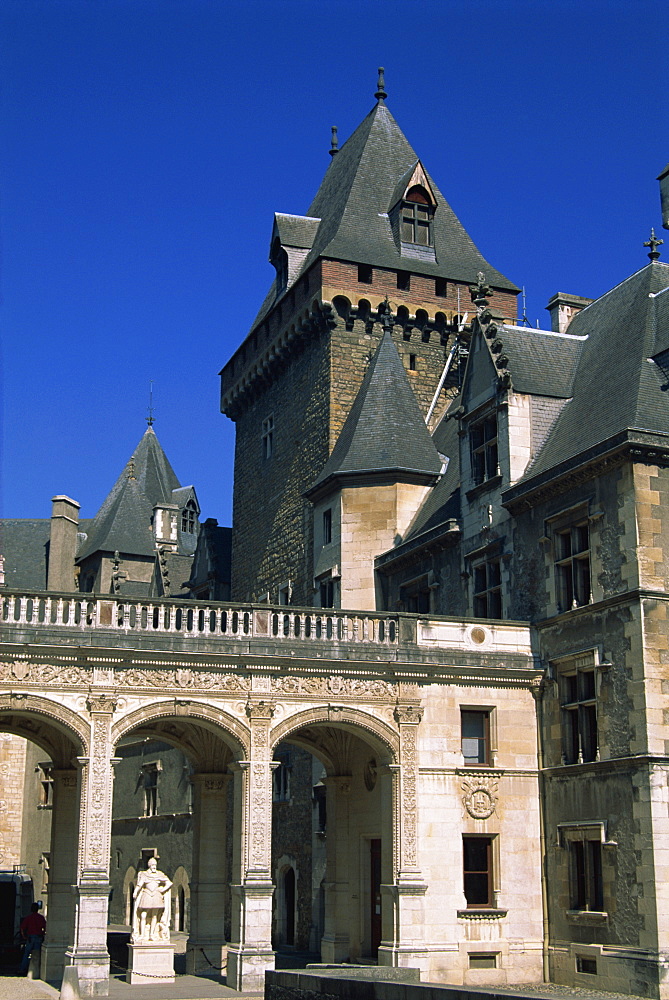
(151, 918)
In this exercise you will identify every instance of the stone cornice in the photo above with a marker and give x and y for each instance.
(631, 445)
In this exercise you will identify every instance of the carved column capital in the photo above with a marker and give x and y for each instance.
(104, 703)
(408, 715)
(260, 711)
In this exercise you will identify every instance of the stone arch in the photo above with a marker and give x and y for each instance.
(180, 899)
(382, 737)
(52, 726)
(129, 882)
(214, 718)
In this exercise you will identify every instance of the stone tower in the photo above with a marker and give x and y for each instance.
(379, 247)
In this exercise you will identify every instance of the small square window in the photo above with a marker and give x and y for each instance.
(365, 274)
(587, 965)
(483, 960)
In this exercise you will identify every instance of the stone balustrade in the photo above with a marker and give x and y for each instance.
(87, 612)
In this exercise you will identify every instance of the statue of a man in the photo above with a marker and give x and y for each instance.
(151, 918)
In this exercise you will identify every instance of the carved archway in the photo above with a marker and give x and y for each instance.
(53, 727)
(205, 717)
(300, 729)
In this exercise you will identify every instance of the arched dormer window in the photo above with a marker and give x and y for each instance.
(188, 517)
(417, 215)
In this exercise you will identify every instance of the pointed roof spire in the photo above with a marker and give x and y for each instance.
(384, 416)
(334, 145)
(150, 419)
(381, 94)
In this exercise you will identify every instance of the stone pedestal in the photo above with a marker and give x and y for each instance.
(150, 964)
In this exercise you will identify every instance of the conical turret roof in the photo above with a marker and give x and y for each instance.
(384, 433)
(123, 522)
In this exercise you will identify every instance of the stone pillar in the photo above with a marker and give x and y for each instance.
(88, 952)
(335, 943)
(62, 872)
(62, 543)
(402, 907)
(208, 886)
(250, 950)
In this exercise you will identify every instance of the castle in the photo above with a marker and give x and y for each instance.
(448, 586)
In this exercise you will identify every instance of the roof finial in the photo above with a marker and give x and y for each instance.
(334, 145)
(150, 417)
(653, 243)
(380, 94)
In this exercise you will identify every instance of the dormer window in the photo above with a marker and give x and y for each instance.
(188, 515)
(417, 217)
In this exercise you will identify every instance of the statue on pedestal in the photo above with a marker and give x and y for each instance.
(151, 918)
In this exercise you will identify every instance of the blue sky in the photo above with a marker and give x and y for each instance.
(146, 145)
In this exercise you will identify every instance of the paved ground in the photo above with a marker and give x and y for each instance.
(202, 988)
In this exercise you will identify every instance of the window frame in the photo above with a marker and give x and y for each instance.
(188, 518)
(151, 770)
(416, 218)
(267, 437)
(573, 574)
(486, 750)
(469, 874)
(578, 708)
(326, 526)
(484, 448)
(585, 859)
(487, 591)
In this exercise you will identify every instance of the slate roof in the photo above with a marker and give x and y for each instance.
(295, 230)
(24, 543)
(541, 363)
(442, 503)
(385, 430)
(357, 192)
(123, 522)
(617, 389)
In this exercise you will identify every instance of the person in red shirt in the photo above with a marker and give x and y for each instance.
(33, 929)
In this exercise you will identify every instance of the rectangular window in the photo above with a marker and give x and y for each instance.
(403, 281)
(327, 526)
(327, 593)
(285, 593)
(488, 589)
(267, 437)
(477, 870)
(412, 362)
(281, 780)
(586, 888)
(483, 443)
(365, 274)
(415, 596)
(150, 781)
(572, 565)
(440, 288)
(483, 960)
(416, 224)
(475, 731)
(579, 716)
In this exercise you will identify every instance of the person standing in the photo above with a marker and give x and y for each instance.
(33, 929)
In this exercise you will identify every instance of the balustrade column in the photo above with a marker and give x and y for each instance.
(209, 888)
(402, 908)
(62, 871)
(250, 951)
(88, 952)
(335, 943)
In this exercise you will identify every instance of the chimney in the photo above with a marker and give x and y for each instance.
(165, 525)
(563, 308)
(664, 195)
(62, 544)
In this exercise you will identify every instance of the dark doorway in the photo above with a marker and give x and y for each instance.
(289, 903)
(375, 872)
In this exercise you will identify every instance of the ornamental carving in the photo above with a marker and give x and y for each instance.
(183, 678)
(480, 796)
(97, 805)
(44, 674)
(353, 687)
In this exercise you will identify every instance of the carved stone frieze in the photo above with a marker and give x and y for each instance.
(480, 795)
(183, 678)
(44, 674)
(353, 687)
